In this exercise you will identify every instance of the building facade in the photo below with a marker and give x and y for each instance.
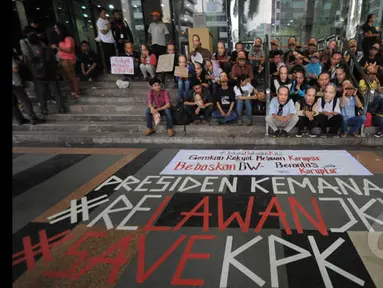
(227, 20)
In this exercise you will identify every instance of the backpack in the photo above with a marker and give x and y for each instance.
(180, 115)
(335, 100)
(37, 64)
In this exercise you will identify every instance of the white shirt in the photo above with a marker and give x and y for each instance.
(102, 24)
(328, 106)
(158, 30)
(247, 90)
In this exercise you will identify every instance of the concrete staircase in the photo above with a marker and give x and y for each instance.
(106, 114)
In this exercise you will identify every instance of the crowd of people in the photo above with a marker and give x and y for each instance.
(309, 88)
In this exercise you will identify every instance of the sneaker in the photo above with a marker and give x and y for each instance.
(239, 122)
(335, 136)
(248, 122)
(356, 135)
(149, 131)
(204, 122)
(284, 134)
(299, 134)
(323, 135)
(378, 134)
(170, 133)
(276, 133)
(90, 79)
(312, 135)
(343, 135)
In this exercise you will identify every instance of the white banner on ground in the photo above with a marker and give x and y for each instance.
(265, 162)
(122, 65)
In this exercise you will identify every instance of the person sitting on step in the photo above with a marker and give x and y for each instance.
(299, 86)
(322, 82)
(245, 93)
(282, 113)
(183, 82)
(225, 101)
(281, 80)
(199, 103)
(158, 105)
(329, 112)
(307, 111)
(90, 63)
(348, 103)
(212, 74)
(148, 62)
(129, 52)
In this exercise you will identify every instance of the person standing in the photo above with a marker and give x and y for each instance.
(106, 37)
(20, 96)
(158, 35)
(67, 56)
(121, 31)
(41, 62)
(370, 34)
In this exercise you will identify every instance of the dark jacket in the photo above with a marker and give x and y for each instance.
(121, 28)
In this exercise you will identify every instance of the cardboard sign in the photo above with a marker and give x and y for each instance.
(264, 162)
(122, 65)
(181, 72)
(165, 63)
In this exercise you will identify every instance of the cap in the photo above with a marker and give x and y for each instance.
(275, 42)
(375, 46)
(155, 13)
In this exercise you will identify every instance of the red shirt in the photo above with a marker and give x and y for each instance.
(158, 100)
(67, 43)
(237, 71)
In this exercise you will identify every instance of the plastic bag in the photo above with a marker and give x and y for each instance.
(122, 84)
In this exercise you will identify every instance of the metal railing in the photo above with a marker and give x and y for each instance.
(267, 77)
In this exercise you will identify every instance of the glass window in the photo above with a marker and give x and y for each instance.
(200, 13)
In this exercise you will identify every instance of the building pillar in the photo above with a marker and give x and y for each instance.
(128, 15)
(21, 13)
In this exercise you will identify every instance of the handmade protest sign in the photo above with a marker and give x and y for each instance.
(122, 65)
(165, 63)
(181, 72)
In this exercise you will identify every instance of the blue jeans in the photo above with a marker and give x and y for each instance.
(378, 122)
(183, 89)
(355, 123)
(249, 108)
(166, 112)
(217, 115)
